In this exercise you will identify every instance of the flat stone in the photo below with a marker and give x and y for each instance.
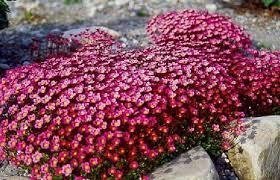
(192, 165)
(257, 153)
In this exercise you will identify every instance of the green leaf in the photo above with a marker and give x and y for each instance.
(58, 178)
(4, 7)
(276, 3)
(267, 3)
(68, 2)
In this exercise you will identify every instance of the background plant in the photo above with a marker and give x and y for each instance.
(269, 3)
(4, 9)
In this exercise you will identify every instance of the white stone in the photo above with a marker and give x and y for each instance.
(192, 165)
(211, 7)
(257, 153)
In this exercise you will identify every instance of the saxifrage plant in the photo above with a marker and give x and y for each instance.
(106, 112)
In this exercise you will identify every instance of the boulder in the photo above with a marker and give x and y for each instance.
(192, 165)
(257, 152)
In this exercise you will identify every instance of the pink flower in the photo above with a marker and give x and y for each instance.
(67, 170)
(216, 127)
(29, 149)
(39, 123)
(86, 167)
(36, 157)
(226, 145)
(53, 162)
(94, 161)
(45, 144)
(133, 165)
(28, 160)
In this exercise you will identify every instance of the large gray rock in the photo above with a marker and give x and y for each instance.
(192, 165)
(9, 172)
(257, 153)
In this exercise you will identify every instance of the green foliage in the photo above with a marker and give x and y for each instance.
(4, 8)
(28, 16)
(276, 110)
(68, 2)
(277, 3)
(268, 3)
(31, 17)
(142, 13)
(57, 178)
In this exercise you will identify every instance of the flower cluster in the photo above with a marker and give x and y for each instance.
(211, 33)
(108, 110)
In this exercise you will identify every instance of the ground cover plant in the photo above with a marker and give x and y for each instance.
(106, 112)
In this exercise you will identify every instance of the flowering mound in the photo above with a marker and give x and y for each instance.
(208, 32)
(106, 112)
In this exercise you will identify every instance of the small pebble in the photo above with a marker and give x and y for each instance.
(134, 41)
(26, 63)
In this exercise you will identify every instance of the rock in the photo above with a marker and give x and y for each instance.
(67, 34)
(4, 66)
(8, 170)
(3, 60)
(211, 7)
(234, 2)
(26, 63)
(121, 2)
(192, 165)
(257, 153)
(91, 11)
